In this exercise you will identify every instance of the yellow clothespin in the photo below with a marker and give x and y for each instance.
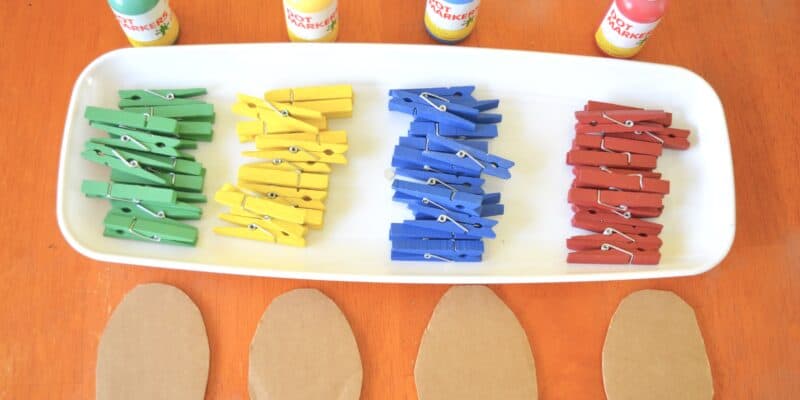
(289, 148)
(283, 108)
(303, 166)
(271, 120)
(232, 197)
(336, 108)
(335, 101)
(294, 179)
(303, 198)
(288, 227)
(273, 191)
(337, 137)
(258, 229)
(310, 93)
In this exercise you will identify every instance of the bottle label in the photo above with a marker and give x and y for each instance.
(312, 26)
(149, 26)
(624, 33)
(452, 16)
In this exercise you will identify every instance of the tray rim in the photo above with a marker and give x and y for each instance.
(594, 276)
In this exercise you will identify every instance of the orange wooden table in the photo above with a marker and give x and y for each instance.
(54, 302)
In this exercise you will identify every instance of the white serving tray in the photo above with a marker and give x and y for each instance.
(538, 95)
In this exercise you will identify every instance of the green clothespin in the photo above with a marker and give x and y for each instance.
(142, 141)
(190, 197)
(157, 210)
(144, 159)
(144, 201)
(195, 130)
(125, 192)
(120, 164)
(187, 183)
(163, 230)
(159, 97)
(132, 120)
(203, 112)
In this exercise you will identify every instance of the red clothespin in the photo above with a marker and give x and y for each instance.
(614, 144)
(646, 174)
(612, 236)
(624, 117)
(609, 128)
(633, 212)
(603, 178)
(608, 159)
(671, 138)
(592, 105)
(614, 200)
(610, 254)
(599, 221)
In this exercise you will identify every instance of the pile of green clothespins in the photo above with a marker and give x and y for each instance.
(154, 184)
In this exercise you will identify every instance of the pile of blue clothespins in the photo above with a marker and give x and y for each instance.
(438, 168)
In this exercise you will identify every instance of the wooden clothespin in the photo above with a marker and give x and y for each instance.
(604, 178)
(294, 179)
(159, 97)
(414, 249)
(141, 201)
(132, 120)
(200, 112)
(334, 101)
(150, 230)
(263, 229)
(134, 158)
(290, 148)
(615, 237)
(232, 197)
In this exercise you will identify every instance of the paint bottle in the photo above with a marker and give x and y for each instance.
(146, 22)
(451, 21)
(312, 20)
(627, 26)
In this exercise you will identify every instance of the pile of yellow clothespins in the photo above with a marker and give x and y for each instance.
(278, 198)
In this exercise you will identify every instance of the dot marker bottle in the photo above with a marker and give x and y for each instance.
(312, 20)
(627, 26)
(451, 21)
(146, 22)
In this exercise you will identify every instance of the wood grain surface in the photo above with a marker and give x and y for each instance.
(54, 302)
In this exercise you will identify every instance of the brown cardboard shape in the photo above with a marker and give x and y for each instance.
(654, 350)
(154, 347)
(474, 348)
(304, 349)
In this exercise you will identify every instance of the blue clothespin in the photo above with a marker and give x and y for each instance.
(449, 224)
(406, 157)
(450, 249)
(422, 143)
(424, 128)
(443, 104)
(399, 256)
(438, 102)
(429, 113)
(403, 231)
(454, 91)
(441, 196)
(468, 158)
(491, 204)
(424, 176)
(426, 210)
(458, 94)
(454, 187)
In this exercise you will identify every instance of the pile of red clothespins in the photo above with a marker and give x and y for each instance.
(614, 156)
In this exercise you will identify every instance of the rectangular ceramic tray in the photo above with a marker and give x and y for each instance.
(538, 95)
